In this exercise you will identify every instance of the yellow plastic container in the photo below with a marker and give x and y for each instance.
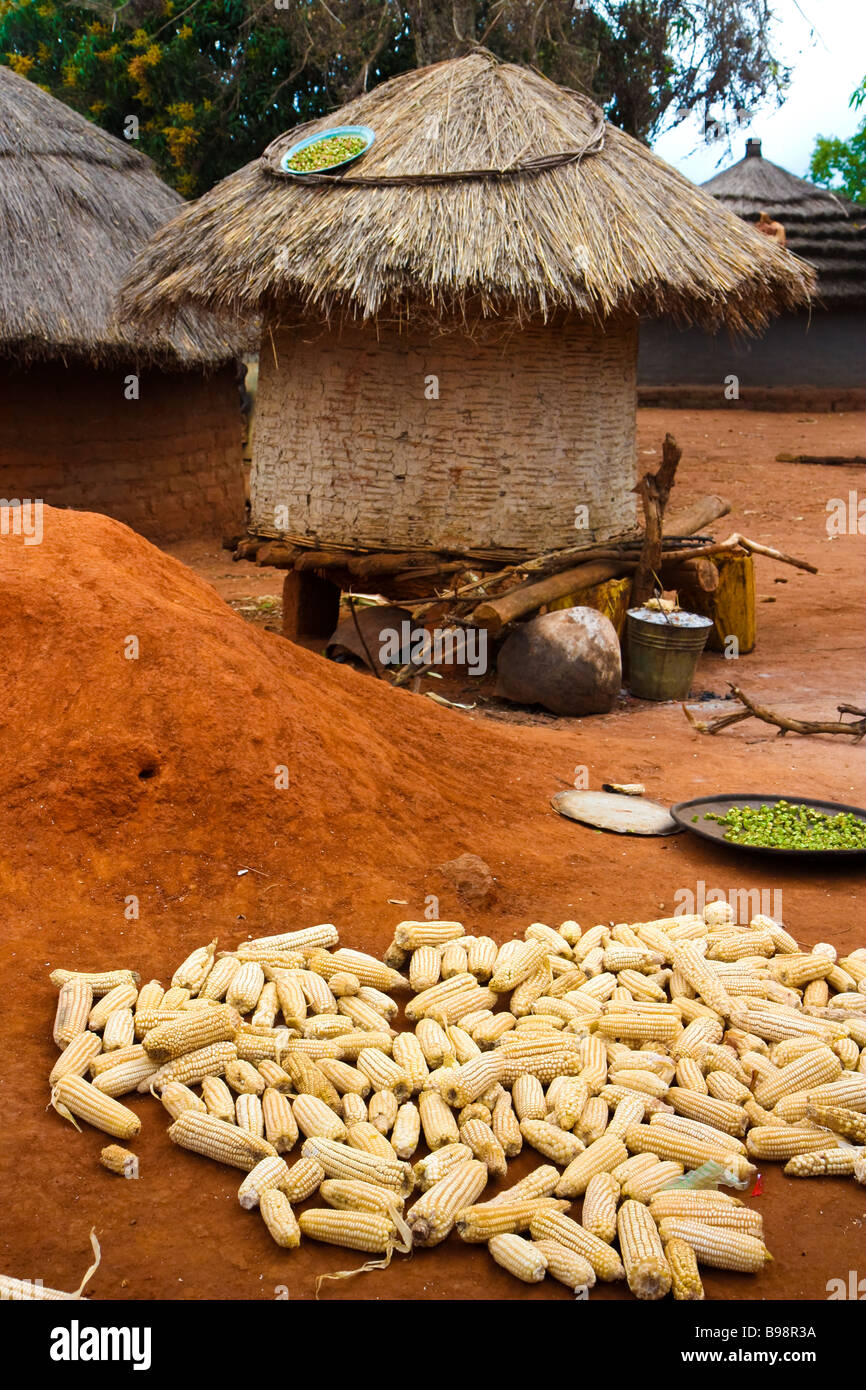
(609, 598)
(732, 606)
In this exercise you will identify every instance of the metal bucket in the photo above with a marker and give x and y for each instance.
(663, 657)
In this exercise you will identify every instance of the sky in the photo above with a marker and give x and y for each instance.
(824, 42)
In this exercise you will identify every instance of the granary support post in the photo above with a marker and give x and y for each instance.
(311, 605)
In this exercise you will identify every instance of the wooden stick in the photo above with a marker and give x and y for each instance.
(654, 489)
(856, 728)
(734, 542)
(493, 614)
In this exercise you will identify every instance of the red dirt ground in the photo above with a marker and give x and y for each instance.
(383, 787)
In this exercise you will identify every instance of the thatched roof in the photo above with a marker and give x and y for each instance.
(618, 230)
(824, 228)
(75, 206)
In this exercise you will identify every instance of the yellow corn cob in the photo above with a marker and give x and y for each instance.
(76, 1057)
(550, 1225)
(244, 1078)
(482, 955)
(479, 1137)
(817, 1067)
(368, 994)
(797, 971)
(249, 1114)
(694, 1038)
(355, 1230)
(773, 1023)
(543, 1058)
(599, 1206)
(245, 987)
(175, 998)
(274, 1075)
(406, 1134)
(194, 1029)
(642, 987)
(516, 961)
(346, 1195)
(720, 1114)
(630, 1110)
(716, 1246)
(593, 1120)
(694, 1203)
(850, 1123)
(433, 1041)
(150, 995)
(637, 1163)
(355, 1013)
(600, 1157)
(147, 1019)
(342, 1161)
(849, 1091)
(268, 1173)
(119, 1160)
(290, 997)
(409, 1056)
(218, 1098)
(823, 1163)
(412, 936)
(132, 1074)
(192, 972)
(74, 1004)
(640, 1027)
(519, 1257)
(643, 1185)
(344, 985)
(785, 1141)
(505, 1126)
(306, 939)
(345, 1079)
(722, 1086)
(230, 1144)
(643, 1082)
(463, 1044)
(315, 1119)
(541, 1182)
(691, 964)
(436, 1165)
(683, 1148)
(816, 994)
(848, 1052)
(305, 1177)
(367, 969)
(194, 1066)
(437, 1121)
(119, 1030)
(100, 981)
(732, 1218)
(567, 1266)
(647, 1270)
(176, 1098)
(685, 1277)
(72, 1095)
(219, 977)
(354, 1109)
(432, 1217)
(554, 1143)
(487, 1219)
(454, 960)
(318, 993)
(382, 1111)
(384, 1073)
(310, 1080)
(279, 1218)
(723, 1142)
(489, 1028)
(529, 990)
(281, 1129)
(366, 1137)
(527, 1094)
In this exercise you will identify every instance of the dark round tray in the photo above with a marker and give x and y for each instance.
(712, 830)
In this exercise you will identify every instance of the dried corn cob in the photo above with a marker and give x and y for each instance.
(519, 1257)
(194, 1029)
(647, 1270)
(779, 1142)
(600, 1157)
(382, 1111)
(281, 1129)
(249, 1114)
(73, 1096)
(279, 1218)
(479, 1137)
(550, 1225)
(409, 1056)
(850, 1123)
(244, 1078)
(100, 981)
(355, 1230)
(716, 1246)
(432, 1217)
(76, 1057)
(305, 1177)
(366, 1137)
(823, 1163)
(119, 1160)
(268, 1173)
(342, 1161)
(130, 1074)
(406, 1133)
(218, 1098)
(642, 1186)
(192, 972)
(345, 1079)
(176, 1098)
(194, 1066)
(567, 1266)
(218, 978)
(74, 1004)
(316, 1119)
(205, 1134)
(599, 1206)
(429, 1170)
(354, 1109)
(685, 1277)
(487, 1219)
(551, 1141)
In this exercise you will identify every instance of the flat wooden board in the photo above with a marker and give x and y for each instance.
(626, 815)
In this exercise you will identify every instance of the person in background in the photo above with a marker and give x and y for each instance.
(770, 228)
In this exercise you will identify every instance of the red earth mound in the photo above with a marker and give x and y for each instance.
(153, 776)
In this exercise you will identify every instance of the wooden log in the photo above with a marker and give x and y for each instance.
(654, 489)
(699, 573)
(688, 521)
(732, 606)
(248, 547)
(366, 566)
(494, 613)
(277, 554)
(322, 560)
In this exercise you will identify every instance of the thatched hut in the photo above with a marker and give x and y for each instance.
(806, 357)
(94, 414)
(450, 325)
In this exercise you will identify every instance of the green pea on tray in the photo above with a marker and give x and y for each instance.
(790, 825)
(325, 153)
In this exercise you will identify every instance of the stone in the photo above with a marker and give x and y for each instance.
(471, 878)
(569, 661)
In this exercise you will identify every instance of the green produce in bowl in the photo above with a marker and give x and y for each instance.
(325, 153)
(787, 825)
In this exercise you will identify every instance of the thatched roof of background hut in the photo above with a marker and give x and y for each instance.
(75, 206)
(617, 230)
(824, 228)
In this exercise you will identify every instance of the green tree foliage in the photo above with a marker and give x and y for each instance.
(841, 164)
(210, 82)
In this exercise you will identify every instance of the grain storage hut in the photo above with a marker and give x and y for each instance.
(163, 455)
(450, 324)
(808, 357)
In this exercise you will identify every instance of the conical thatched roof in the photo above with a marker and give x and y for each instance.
(824, 228)
(75, 207)
(618, 229)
